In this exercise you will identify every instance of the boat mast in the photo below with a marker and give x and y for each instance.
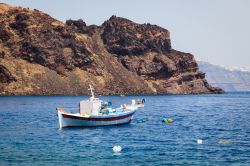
(92, 92)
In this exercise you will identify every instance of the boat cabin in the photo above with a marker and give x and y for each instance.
(91, 106)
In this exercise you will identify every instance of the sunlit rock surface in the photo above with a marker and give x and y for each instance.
(40, 55)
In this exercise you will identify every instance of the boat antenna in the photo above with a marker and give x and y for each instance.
(91, 90)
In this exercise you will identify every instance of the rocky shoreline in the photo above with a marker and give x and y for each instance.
(40, 55)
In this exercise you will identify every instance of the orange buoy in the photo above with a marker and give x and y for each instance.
(170, 120)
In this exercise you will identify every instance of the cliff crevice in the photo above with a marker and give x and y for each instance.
(42, 56)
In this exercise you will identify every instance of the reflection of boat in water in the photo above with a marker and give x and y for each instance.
(95, 112)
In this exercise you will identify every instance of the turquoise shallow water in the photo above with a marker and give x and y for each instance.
(29, 133)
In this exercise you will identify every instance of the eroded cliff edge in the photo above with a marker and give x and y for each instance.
(40, 55)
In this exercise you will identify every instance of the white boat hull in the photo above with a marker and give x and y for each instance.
(77, 120)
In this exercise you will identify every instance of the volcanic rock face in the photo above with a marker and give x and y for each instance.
(123, 37)
(40, 55)
(5, 75)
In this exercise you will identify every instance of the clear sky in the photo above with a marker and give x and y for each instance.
(216, 31)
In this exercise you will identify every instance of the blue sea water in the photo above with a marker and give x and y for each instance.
(29, 133)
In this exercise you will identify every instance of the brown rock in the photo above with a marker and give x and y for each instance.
(124, 37)
(48, 57)
(5, 75)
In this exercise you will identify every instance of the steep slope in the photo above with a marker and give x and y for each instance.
(43, 56)
(229, 80)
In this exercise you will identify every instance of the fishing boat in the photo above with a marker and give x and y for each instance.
(96, 112)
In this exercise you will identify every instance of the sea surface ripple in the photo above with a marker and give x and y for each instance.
(29, 133)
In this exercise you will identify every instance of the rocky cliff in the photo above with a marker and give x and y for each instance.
(40, 55)
(229, 80)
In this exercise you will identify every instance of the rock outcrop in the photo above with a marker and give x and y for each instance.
(42, 56)
(5, 75)
(231, 80)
